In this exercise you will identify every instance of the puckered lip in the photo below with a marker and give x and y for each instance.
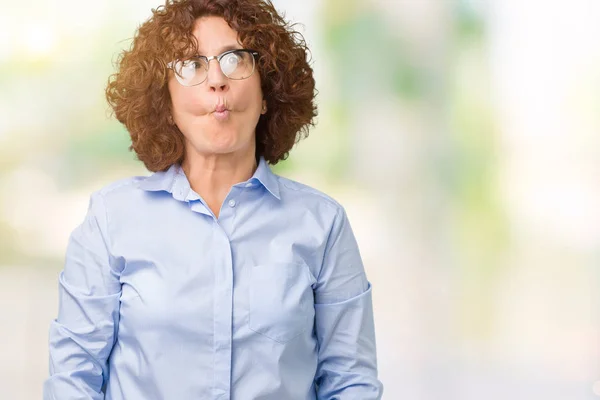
(221, 107)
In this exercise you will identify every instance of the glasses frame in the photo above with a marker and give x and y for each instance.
(254, 53)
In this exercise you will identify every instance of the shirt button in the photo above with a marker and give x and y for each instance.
(231, 203)
(248, 184)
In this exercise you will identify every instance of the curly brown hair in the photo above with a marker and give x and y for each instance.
(139, 96)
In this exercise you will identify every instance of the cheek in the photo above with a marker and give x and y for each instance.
(250, 98)
(184, 100)
(188, 103)
(248, 104)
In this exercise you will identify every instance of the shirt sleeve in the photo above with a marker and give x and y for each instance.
(347, 367)
(82, 336)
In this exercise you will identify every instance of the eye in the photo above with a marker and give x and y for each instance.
(229, 63)
(193, 64)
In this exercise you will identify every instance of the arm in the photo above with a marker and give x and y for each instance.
(82, 336)
(345, 330)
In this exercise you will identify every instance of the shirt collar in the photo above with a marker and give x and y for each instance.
(174, 180)
(267, 178)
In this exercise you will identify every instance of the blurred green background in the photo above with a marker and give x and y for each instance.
(462, 137)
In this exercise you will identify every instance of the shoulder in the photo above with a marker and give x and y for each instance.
(118, 190)
(116, 200)
(308, 195)
(120, 185)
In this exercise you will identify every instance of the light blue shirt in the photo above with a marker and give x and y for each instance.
(159, 299)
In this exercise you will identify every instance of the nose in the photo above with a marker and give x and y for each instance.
(216, 79)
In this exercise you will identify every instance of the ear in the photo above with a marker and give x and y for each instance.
(264, 107)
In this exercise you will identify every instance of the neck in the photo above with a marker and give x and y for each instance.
(211, 176)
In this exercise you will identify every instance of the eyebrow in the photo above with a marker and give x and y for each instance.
(224, 49)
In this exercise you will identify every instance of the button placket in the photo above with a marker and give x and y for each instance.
(223, 313)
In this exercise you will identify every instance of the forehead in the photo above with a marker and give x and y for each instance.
(214, 35)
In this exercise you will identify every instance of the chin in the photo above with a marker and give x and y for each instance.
(219, 141)
(225, 146)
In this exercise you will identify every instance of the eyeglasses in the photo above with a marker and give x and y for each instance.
(236, 64)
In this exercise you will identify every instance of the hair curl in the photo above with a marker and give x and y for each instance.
(139, 97)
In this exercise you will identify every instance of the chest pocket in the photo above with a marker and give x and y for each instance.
(281, 300)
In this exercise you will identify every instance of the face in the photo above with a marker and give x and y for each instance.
(206, 131)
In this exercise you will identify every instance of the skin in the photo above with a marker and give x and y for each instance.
(218, 154)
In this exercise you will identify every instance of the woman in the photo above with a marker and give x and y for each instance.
(213, 278)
